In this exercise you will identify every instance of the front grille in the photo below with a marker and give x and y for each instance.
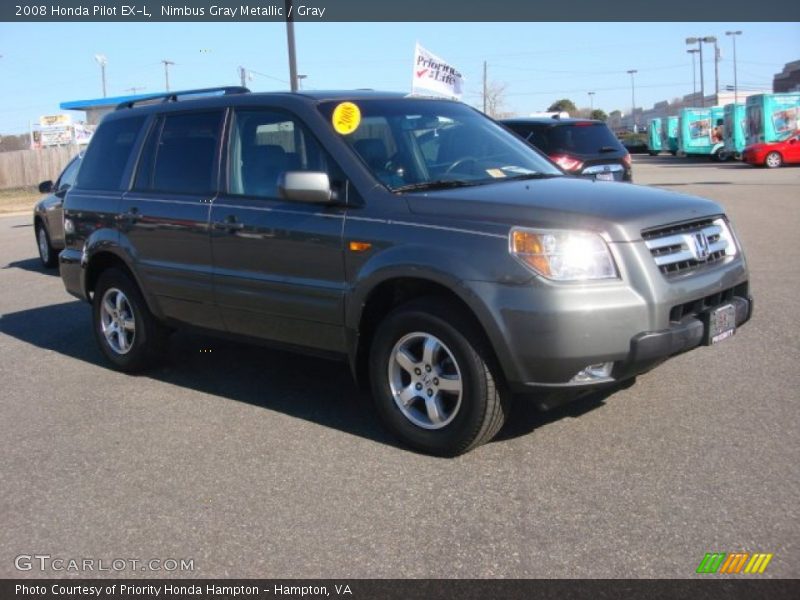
(683, 247)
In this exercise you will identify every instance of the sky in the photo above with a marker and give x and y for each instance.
(43, 64)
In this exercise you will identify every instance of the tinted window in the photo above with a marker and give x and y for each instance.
(107, 154)
(265, 144)
(179, 155)
(67, 178)
(575, 138)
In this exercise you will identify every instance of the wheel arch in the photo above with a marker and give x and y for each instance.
(107, 258)
(396, 290)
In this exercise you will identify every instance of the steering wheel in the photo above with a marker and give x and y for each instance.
(460, 162)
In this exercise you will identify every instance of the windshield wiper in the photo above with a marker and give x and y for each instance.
(437, 184)
(529, 176)
(608, 149)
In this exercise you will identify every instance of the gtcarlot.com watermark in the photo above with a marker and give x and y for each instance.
(45, 562)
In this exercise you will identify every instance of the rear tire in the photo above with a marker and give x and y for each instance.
(128, 334)
(431, 380)
(773, 160)
(47, 254)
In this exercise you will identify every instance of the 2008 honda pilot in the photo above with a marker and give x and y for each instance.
(449, 262)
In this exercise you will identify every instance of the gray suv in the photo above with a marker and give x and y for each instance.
(447, 262)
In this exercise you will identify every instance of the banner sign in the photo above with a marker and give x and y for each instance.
(54, 120)
(432, 75)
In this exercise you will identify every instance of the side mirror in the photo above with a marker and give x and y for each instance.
(313, 187)
(793, 141)
(46, 187)
(62, 191)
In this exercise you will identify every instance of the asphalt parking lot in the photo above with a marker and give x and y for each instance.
(257, 463)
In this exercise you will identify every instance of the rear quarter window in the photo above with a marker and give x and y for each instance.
(108, 153)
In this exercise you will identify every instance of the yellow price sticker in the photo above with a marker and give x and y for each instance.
(346, 118)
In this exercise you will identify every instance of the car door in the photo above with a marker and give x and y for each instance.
(278, 265)
(793, 150)
(54, 210)
(164, 217)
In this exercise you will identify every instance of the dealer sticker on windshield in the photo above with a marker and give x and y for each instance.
(346, 118)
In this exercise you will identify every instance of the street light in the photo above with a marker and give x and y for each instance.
(733, 34)
(694, 51)
(696, 40)
(591, 101)
(710, 39)
(633, 72)
(300, 81)
(167, 63)
(102, 61)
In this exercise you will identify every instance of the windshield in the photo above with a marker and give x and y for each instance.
(418, 144)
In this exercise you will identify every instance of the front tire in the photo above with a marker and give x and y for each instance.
(128, 334)
(773, 160)
(47, 254)
(431, 380)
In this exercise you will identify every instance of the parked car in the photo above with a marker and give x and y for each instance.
(48, 217)
(581, 147)
(446, 261)
(774, 154)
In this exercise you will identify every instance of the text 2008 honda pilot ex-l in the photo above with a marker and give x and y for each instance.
(449, 262)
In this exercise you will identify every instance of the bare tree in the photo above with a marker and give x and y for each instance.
(496, 98)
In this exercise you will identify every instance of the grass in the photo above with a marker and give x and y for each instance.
(18, 199)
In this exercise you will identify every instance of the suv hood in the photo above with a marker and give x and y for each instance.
(619, 210)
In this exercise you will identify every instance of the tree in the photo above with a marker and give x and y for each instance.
(599, 114)
(565, 104)
(495, 98)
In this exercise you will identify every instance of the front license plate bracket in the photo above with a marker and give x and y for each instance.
(720, 324)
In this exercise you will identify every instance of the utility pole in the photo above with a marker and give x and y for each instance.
(167, 63)
(484, 86)
(633, 72)
(733, 34)
(243, 76)
(591, 102)
(290, 42)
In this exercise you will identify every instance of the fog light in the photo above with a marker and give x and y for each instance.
(69, 226)
(594, 373)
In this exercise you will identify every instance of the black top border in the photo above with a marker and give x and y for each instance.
(229, 11)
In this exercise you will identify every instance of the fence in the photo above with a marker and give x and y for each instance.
(22, 168)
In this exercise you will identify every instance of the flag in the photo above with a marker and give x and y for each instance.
(432, 75)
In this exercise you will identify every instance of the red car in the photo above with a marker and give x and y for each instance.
(774, 154)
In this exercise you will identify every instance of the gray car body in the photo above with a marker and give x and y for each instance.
(288, 276)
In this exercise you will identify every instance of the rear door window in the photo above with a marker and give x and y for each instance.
(180, 154)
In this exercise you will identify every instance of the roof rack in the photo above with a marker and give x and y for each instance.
(173, 96)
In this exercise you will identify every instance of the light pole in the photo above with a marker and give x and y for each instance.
(102, 61)
(698, 41)
(290, 42)
(633, 72)
(591, 101)
(300, 81)
(733, 34)
(167, 63)
(710, 39)
(694, 51)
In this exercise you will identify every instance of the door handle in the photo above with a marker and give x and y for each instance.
(229, 224)
(131, 216)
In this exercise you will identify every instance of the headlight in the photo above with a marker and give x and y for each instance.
(563, 255)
